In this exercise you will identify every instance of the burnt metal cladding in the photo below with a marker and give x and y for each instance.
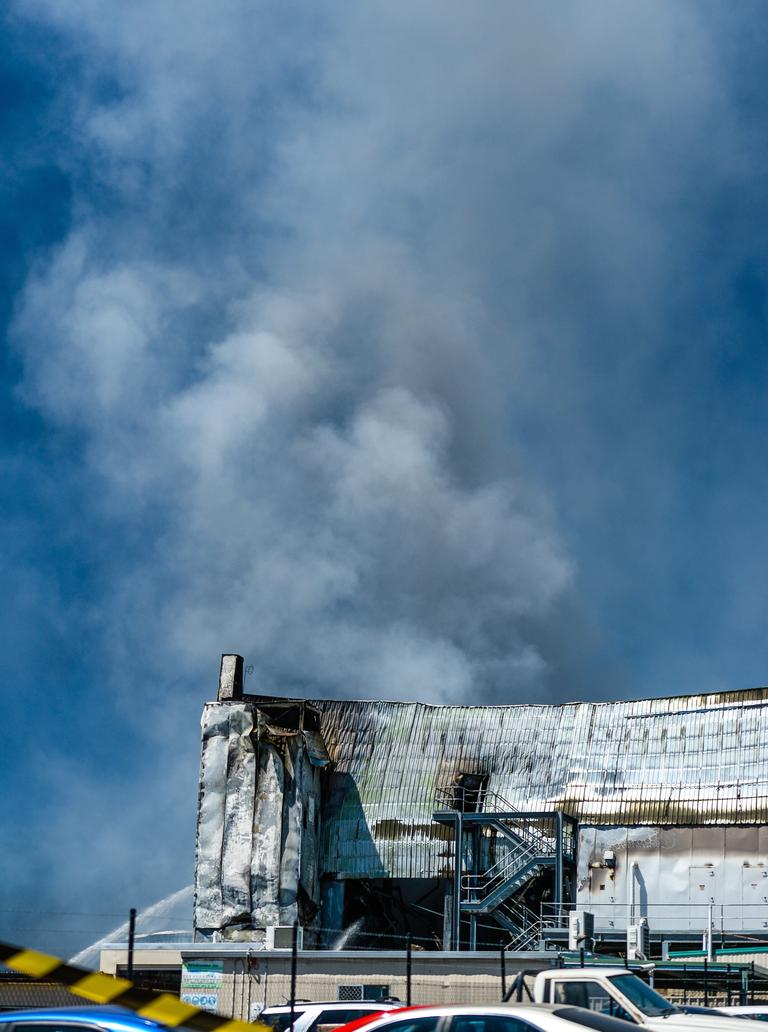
(685, 760)
(296, 793)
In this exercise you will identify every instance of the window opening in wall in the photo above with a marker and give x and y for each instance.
(469, 792)
(362, 992)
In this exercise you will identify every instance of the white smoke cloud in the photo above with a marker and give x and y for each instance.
(324, 434)
(322, 267)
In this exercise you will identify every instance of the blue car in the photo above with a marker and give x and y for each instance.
(76, 1019)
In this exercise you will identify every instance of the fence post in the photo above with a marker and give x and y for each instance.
(294, 964)
(408, 967)
(131, 940)
(503, 959)
(706, 983)
(581, 957)
(728, 982)
(752, 984)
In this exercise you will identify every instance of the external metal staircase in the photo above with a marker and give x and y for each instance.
(485, 883)
(523, 924)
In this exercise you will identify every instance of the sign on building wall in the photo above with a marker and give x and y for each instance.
(201, 981)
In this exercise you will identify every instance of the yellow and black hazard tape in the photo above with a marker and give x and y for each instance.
(164, 1008)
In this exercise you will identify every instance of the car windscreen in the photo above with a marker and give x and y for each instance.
(592, 1019)
(644, 998)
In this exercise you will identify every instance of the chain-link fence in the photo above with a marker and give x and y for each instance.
(264, 980)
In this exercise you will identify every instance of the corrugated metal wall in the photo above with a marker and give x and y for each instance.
(677, 877)
(688, 760)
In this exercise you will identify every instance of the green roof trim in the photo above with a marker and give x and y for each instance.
(736, 951)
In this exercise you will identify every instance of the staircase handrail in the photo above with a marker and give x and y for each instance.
(503, 869)
(480, 799)
(525, 921)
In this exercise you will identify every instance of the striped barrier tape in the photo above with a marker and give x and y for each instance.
(164, 1008)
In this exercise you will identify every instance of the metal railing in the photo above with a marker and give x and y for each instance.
(502, 871)
(473, 800)
(488, 801)
(528, 844)
(526, 923)
(672, 915)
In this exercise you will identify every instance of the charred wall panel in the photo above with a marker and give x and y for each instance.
(662, 776)
(227, 787)
(692, 760)
(267, 839)
(257, 852)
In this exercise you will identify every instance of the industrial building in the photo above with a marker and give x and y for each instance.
(481, 826)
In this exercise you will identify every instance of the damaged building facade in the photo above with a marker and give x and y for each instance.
(480, 826)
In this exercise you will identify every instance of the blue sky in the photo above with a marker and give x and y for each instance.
(411, 351)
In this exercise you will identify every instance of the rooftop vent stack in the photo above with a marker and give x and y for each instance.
(231, 678)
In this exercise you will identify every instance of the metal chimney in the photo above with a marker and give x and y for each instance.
(230, 678)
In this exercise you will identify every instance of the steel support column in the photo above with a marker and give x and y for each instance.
(475, 833)
(459, 850)
(559, 859)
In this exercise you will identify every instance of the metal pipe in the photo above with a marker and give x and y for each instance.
(408, 967)
(631, 891)
(559, 858)
(131, 939)
(710, 924)
(294, 965)
(458, 837)
(706, 982)
(475, 852)
(503, 959)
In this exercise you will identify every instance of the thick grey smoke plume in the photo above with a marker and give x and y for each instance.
(317, 258)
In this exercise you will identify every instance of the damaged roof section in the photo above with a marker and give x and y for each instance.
(294, 789)
(690, 760)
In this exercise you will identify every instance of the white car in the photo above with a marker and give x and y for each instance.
(309, 1017)
(500, 1017)
(756, 1011)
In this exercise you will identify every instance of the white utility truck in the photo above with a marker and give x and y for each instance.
(617, 992)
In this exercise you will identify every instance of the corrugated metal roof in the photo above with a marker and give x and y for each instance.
(690, 760)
